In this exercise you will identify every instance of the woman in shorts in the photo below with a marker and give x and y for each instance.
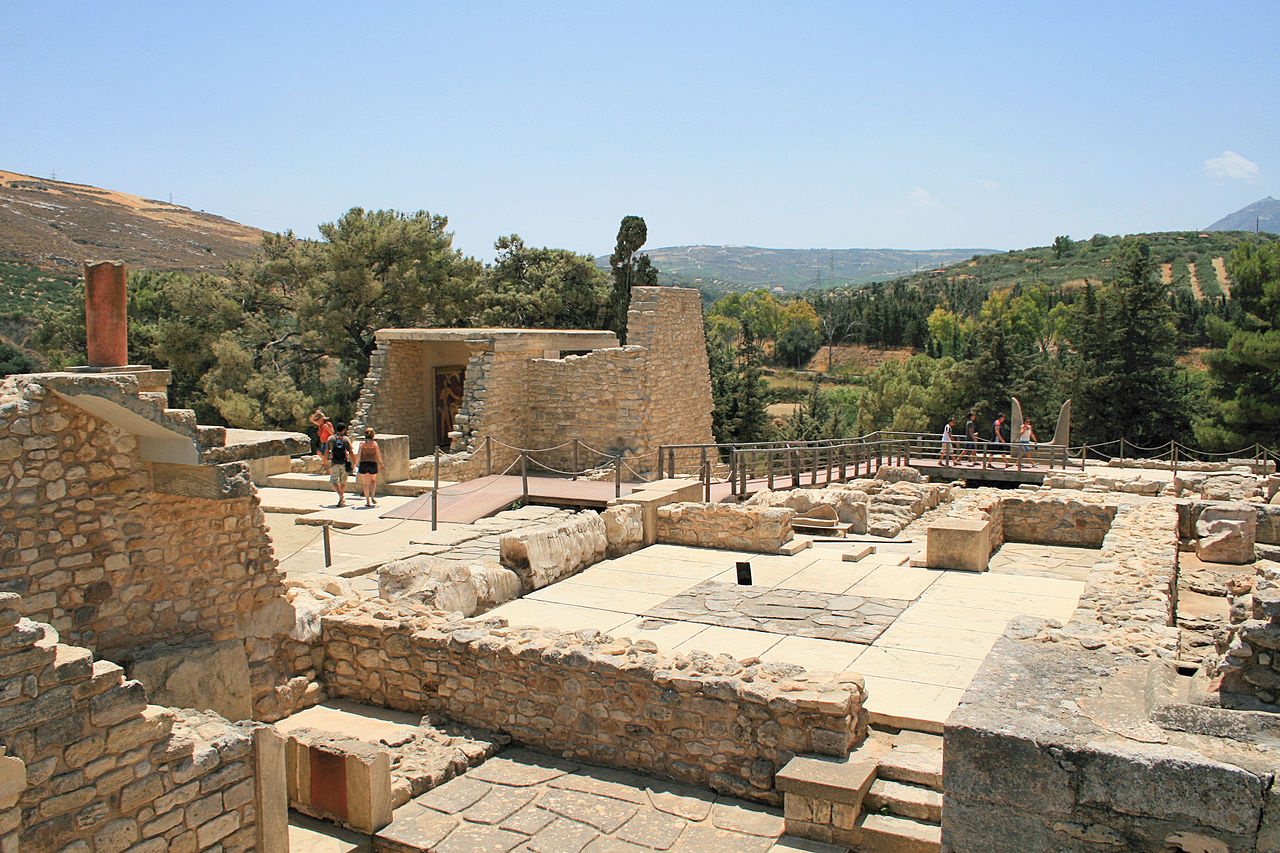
(368, 458)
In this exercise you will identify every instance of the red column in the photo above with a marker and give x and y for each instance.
(104, 314)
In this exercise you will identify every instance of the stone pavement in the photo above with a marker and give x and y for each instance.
(793, 612)
(916, 668)
(527, 802)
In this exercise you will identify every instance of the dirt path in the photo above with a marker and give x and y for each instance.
(1195, 281)
(1166, 273)
(1220, 267)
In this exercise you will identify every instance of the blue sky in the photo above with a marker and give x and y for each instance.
(796, 125)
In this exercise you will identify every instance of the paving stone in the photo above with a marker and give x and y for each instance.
(604, 813)
(610, 844)
(499, 804)
(479, 838)
(411, 833)
(455, 795)
(528, 821)
(604, 782)
(703, 838)
(652, 828)
(686, 801)
(522, 768)
(748, 819)
(563, 836)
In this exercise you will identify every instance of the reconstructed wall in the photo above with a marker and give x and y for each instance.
(734, 527)
(1069, 737)
(617, 401)
(115, 565)
(708, 721)
(105, 771)
(1078, 522)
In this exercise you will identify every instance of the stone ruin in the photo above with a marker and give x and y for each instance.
(537, 389)
(153, 656)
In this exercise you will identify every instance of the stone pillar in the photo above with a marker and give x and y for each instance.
(104, 313)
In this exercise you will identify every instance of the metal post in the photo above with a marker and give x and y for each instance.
(524, 475)
(328, 560)
(1173, 449)
(769, 465)
(435, 490)
(742, 473)
(795, 468)
(733, 470)
(702, 466)
(1122, 451)
(575, 459)
(617, 476)
(660, 449)
(671, 462)
(706, 478)
(1084, 455)
(488, 456)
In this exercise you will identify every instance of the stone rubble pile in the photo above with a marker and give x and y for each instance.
(729, 527)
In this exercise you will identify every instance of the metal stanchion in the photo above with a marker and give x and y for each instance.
(435, 491)
(328, 558)
(617, 476)
(575, 459)
(524, 475)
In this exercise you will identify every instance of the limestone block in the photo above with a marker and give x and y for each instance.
(1268, 527)
(271, 793)
(899, 474)
(395, 458)
(623, 528)
(494, 584)
(1225, 533)
(213, 677)
(431, 581)
(339, 778)
(544, 555)
(959, 543)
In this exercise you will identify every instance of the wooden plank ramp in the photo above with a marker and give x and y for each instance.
(471, 500)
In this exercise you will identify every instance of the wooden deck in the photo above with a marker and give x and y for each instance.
(471, 500)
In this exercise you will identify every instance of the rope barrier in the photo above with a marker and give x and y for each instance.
(310, 542)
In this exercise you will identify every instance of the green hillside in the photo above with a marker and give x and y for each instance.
(725, 269)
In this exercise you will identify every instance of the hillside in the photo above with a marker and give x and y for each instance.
(1263, 215)
(739, 268)
(1191, 260)
(59, 225)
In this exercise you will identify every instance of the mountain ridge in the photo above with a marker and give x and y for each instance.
(1262, 215)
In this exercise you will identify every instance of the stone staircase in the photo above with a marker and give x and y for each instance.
(886, 797)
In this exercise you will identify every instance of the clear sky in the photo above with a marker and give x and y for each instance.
(793, 125)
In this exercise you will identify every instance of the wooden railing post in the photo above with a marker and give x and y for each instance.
(742, 473)
(617, 476)
(435, 489)
(524, 475)
(488, 456)
(1173, 451)
(769, 466)
(706, 477)
(1122, 451)
(661, 447)
(575, 459)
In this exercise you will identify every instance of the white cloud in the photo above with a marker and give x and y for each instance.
(920, 198)
(1231, 165)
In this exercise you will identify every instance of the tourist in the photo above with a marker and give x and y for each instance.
(946, 455)
(971, 440)
(1026, 436)
(337, 456)
(368, 460)
(998, 444)
(325, 429)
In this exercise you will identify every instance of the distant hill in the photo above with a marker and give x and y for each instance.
(738, 268)
(54, 224)
(1187, 260)
(1263, 215)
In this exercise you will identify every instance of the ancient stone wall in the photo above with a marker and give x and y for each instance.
(733, 527)
(115, 565)
(1071, 737)
(667, 322)
(1052, 520)
(105, 771)
(708, 721)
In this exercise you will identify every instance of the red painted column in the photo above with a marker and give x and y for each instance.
(104, 314)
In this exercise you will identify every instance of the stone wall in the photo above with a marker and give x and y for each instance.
(119, 554)
(1052, 520)
(733, 527)
(704, 720)
(544, 554)
(105, 771)
(1074, 737)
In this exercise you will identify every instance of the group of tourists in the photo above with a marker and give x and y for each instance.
(969, 445)
(340, 455)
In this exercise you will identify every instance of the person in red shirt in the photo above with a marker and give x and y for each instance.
(325, 428)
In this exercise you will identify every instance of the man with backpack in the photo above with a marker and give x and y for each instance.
(337, 453)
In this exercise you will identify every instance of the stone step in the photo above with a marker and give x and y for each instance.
(914, 763)
(795, 546)
(409, 488)
(903, 800)
(877, 833)
(316, 482)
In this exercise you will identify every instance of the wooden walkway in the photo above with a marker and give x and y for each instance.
(471, 500)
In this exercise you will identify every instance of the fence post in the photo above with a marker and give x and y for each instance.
(488, 456)
(1122, 451)
(617, 476)
(733, 471)
(742, 473)
(671, 462)
(706, 478)
(324, 528)
(661, 447)
(703, 465)
(575, 459)
(435, 491)
(1173, 450)
(524, 475)
(769, 466)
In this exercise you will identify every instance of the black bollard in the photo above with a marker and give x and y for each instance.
(744, 574)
